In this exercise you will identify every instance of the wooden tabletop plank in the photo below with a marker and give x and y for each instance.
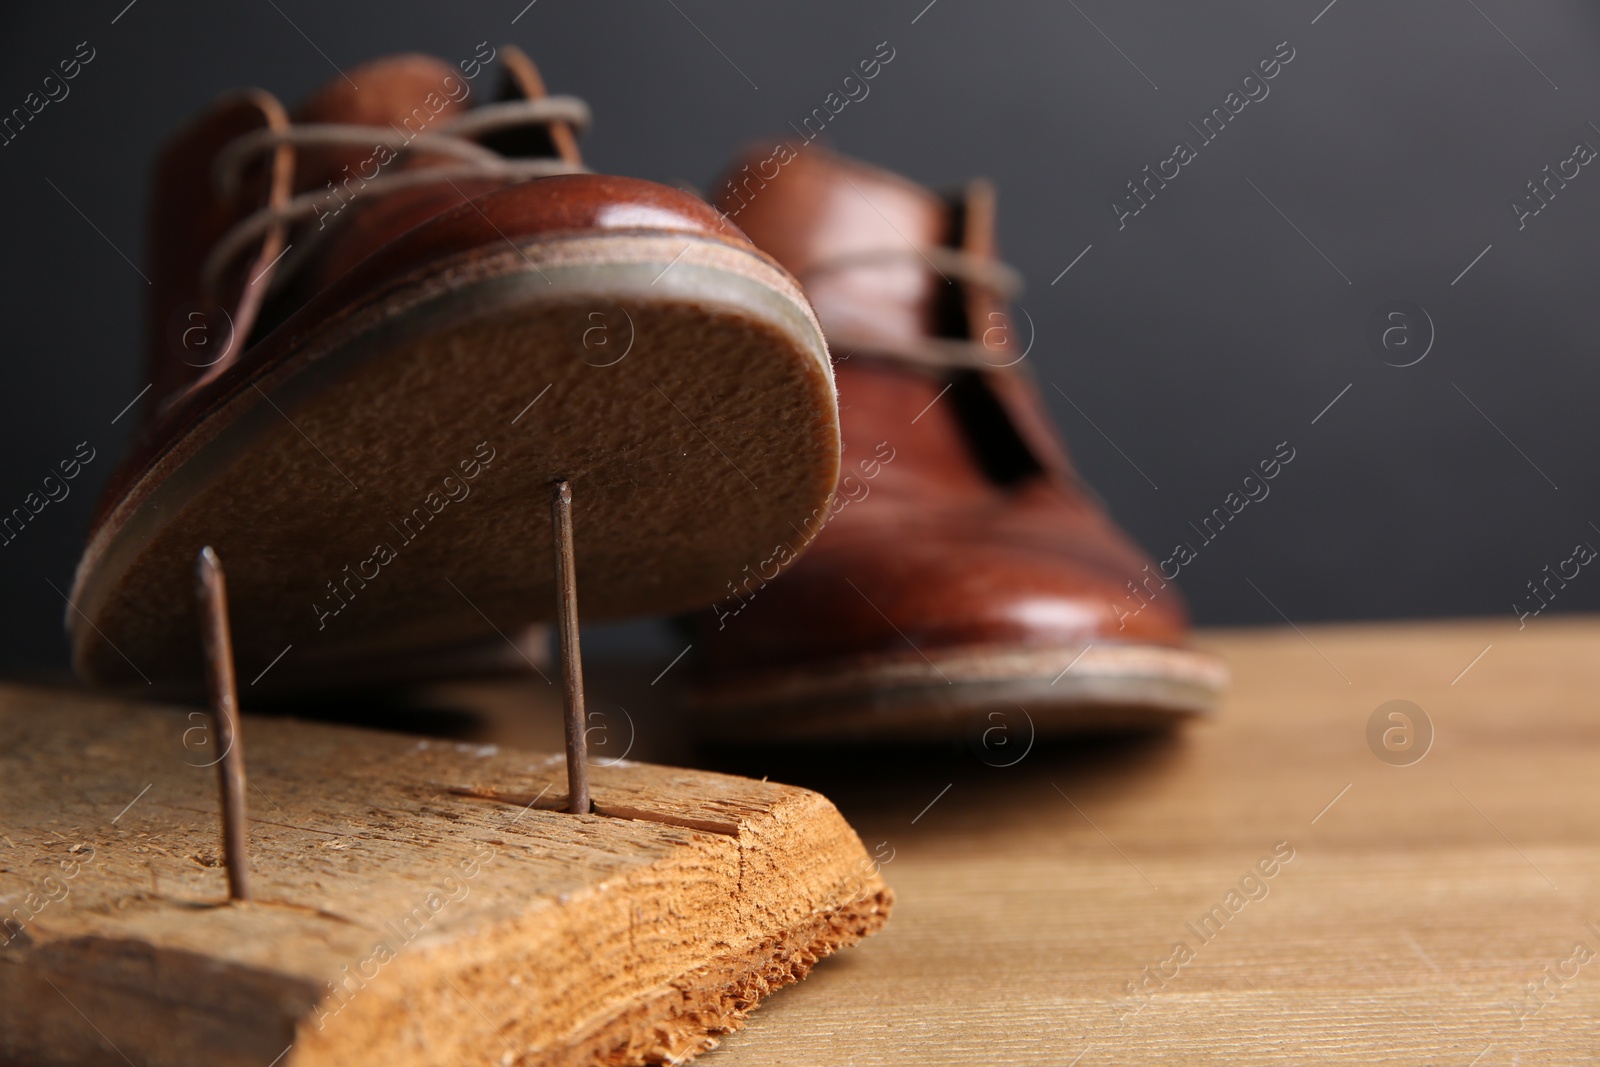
(1436, 913)
(1446, 912)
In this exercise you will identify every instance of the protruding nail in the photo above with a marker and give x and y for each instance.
(571, 657)
(212, 593)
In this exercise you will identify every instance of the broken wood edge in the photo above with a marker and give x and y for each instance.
(802, 843)
(690, 1016)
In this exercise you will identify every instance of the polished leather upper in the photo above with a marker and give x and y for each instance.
(960, 521)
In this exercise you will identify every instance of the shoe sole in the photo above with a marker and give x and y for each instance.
(975, 691)
(666, 376)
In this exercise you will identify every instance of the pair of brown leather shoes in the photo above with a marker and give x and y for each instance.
(385, 323)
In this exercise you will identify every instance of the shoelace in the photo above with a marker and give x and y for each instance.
(455, 139)
(937, 353)
(940, 355)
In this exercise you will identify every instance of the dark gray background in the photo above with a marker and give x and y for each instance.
(1195, 339)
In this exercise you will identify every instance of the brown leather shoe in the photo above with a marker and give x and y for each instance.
(966, 573)
(382, 327)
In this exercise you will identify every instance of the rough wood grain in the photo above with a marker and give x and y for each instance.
(415, 901)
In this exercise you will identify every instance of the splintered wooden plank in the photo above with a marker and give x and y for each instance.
(416, 903)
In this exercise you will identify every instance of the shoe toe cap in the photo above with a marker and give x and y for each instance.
(937, 586)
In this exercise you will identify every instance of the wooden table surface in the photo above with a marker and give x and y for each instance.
(1054, 911)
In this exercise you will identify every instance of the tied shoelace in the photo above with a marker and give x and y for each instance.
(455, 139)
(951, 264)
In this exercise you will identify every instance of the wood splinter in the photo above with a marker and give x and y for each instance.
(212, 592)
(571, 658)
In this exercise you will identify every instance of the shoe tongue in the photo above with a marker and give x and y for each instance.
(816, 213)
(408, 94)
